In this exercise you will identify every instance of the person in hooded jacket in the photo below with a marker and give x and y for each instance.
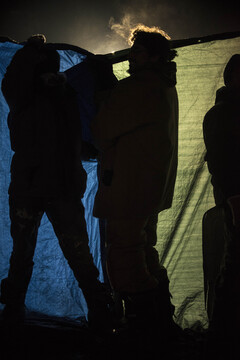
(221, 131)
(136, 132)
(47, 176)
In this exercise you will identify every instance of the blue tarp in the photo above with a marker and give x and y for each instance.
(53, 289)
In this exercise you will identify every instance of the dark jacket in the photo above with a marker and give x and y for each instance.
(137, 134)
(92, 80)
(221, 130)
(45, 129)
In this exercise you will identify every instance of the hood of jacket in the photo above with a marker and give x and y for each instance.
(227, 94)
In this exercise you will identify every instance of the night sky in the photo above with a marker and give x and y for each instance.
(90, 24)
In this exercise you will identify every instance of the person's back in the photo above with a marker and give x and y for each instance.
(58, 138)
(18, 84)
(44, 124)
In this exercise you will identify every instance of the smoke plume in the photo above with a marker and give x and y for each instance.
(143, 15)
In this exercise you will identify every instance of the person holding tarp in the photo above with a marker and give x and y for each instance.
(46, 176)
(136, 132)
(92, 80)
(221, 131)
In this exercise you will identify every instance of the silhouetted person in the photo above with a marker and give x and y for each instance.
(136, 132)
(46, 176)
(221, 129)
(92, 79)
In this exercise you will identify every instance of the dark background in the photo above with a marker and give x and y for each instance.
(87, 24)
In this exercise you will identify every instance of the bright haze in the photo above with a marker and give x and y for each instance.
(102, 26)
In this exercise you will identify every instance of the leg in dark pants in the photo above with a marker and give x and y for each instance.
(136, 273)
(68, 221)
(67, 218)
(25, 216)
(163, 296)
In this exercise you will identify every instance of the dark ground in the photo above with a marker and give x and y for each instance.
(48, 338)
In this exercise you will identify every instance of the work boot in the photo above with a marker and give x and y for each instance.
(14, 310)
(99, 301)
(167, 326)
(13, 314)
(143, 307)
(142, 312)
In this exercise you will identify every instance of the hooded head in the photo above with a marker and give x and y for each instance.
(231, 73)
(36, 40)
(50, 61)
